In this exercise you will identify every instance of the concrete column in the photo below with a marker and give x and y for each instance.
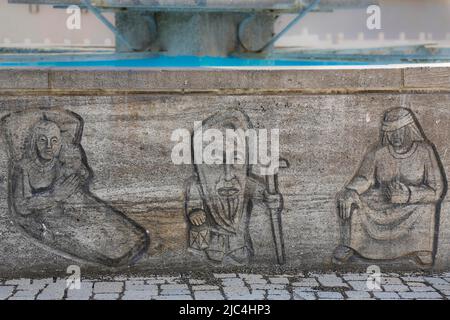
(202, 34)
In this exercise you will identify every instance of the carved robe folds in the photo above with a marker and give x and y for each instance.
(380, 229)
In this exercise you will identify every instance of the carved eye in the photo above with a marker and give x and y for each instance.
(42, 139)
(54, 140)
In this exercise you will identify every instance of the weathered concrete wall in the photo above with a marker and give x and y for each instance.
(328, 121)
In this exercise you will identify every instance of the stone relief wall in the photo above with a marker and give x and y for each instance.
(109, 178)
(48, 191)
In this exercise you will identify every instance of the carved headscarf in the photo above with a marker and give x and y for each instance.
(398, 118)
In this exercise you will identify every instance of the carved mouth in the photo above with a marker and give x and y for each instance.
(227, 192)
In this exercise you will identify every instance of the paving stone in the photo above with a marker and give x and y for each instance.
(329, 295)
(224, 275)
(259, 292)
(386, 295)
(155, 281)
(21, 298)
(420, 295)
(395, 287)
(436, 281)
(303, 295)
(5, 292)
(31, 287)
(355, 276)
(173, 286)
(442, 287)
(236, 290)
(267, 286)
(278, 297)
(208, 295)
(204, 287)
(175, 292)
(170, 280)
(331, 281)
(306, 282)
(413, 279)
(18, 282)
(78, 294)
(52, 292)
(445, 292)
(134, 283)
(250, 296)
(196, 281)
(108, 287)
(279, 280)
(390, 280)
(232, 282)
(255, 281)
(43, 282)
(422, 289)
(106, 296)
(416, 284)
(138, 295)
(26, 294)
(359, 285)
(309, 289)
(357, 294)
(250, 276)
(175, 297)
(141, 287)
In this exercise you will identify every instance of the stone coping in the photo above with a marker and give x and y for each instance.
(148, 80)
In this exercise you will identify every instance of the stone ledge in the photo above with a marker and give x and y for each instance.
(158, 80)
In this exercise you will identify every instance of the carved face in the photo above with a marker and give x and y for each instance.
(224, 186)
(399, 138)
(47, 137)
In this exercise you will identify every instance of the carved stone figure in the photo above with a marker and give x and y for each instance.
(49, 195)
(391, 206)
(219, 199)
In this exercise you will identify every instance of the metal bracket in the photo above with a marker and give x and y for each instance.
(108, 24)
(300, 16)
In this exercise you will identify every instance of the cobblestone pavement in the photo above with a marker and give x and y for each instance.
(310, 286)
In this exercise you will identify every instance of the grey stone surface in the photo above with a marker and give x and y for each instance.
(307, 282)
(359, 285)
(108, 287)
(106, 296)
(210, 290)
(5, 292)
(386, 295)
(357, 295)
(420, 295)
(331, 281)
(395, 287)
(328, 119)
(208, 295)
(303, 295)
(328, 295)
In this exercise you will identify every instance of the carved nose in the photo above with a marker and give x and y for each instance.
(228, 175)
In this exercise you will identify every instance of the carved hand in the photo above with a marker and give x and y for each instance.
(197, 217)
(398, 192)
(65, 187)
(273, 201)
(347, 200)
